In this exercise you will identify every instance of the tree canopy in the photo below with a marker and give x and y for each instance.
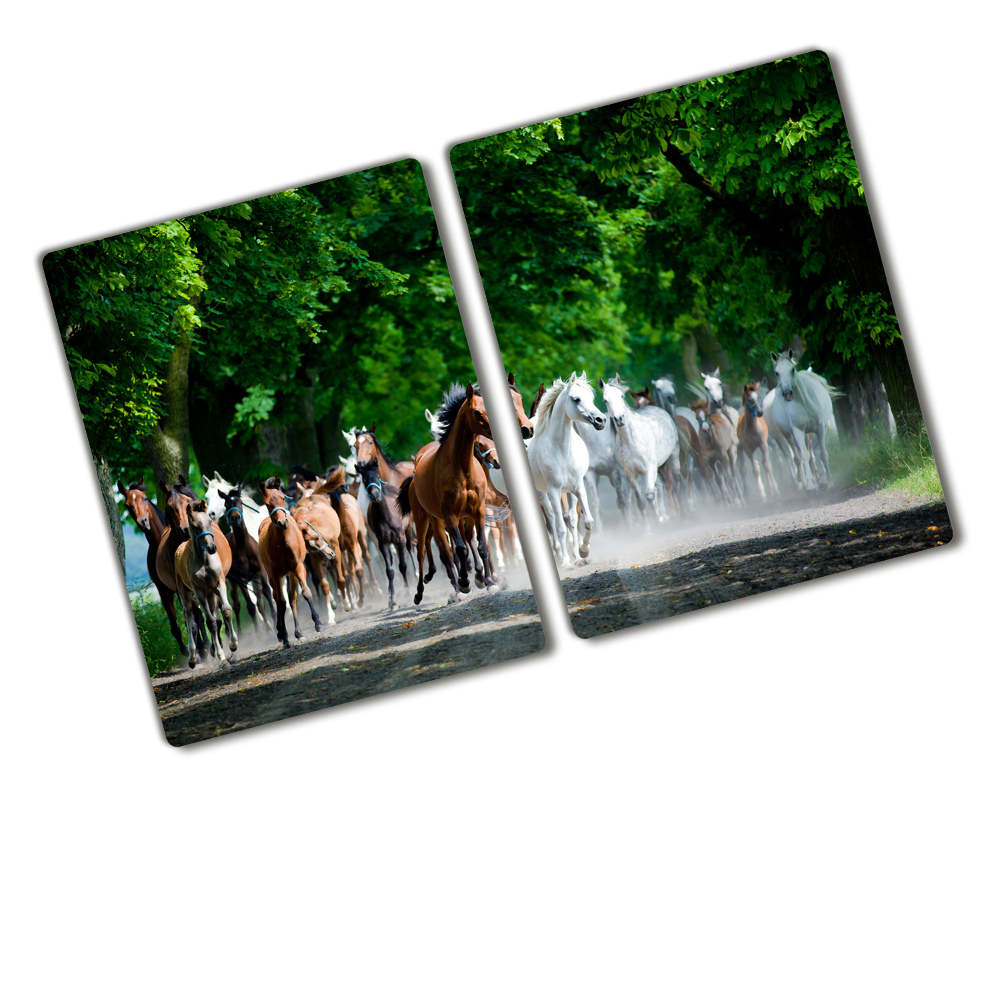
(706, 224)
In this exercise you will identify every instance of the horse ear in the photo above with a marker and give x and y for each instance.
(428, 416)
(121, 488)
(164, 489)
(774, 357)
(510, 378)
(217, 476)
(261, 487)
(182, 479)
(600, 383)
(469, 391)
(372, 429)
(715, 374)
(205, 480)
(225, 496)
(703, 375)
(791, 357)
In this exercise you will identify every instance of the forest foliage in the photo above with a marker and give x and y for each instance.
(703, 225)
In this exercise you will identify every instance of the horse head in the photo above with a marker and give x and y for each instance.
(536, 400)
(476, 409)
(373, 482)
(274, 499)
(666, 393)
(178, 496)
(232, 501)
(614, 399)
(751, 399)
(137, 503)
(200, 526)
(713, 386)
(641, 398)
(704, 423)
(527, 430)
(784, 368)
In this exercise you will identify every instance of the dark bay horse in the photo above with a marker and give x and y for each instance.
(381, 479)
(246, 568)
(282, 556)
(152, 524)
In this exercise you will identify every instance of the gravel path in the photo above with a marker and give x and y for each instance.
(367, 652)
(635, 578)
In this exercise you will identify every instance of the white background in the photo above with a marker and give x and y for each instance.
(652, 814)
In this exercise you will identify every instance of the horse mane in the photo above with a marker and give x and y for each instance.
(544, 409)
(381, 449)
(183, 488)
(274, 483)
(447, 412)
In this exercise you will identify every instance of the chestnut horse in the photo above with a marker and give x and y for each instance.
(152, 524)
(200, 577)
(449, 486)
(282, 555)
(752, 433)
(322, 531)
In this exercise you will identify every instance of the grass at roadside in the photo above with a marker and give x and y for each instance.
(154, 633)
(893, 465)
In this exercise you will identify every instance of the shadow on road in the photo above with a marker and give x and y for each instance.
(610, 600)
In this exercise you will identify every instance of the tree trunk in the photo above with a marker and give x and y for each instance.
(898, 381)
(864, 406)
(304, 429)
(332, 443)
(689, 359)
(110, 506)
(168, 445)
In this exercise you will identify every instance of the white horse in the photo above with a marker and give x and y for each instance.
(803, 405)
(645, 443)
(253, 513)
(559, 459)
(603, 462)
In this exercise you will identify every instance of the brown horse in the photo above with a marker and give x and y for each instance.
(641, 398)
(177, 498)
(449, 486)
(152, 524)
(282, 555)
(246, 568)
(201, 577)
(752, 433)
(717, 437)
(322, 533)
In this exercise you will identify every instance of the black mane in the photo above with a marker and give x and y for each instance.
(448, 410)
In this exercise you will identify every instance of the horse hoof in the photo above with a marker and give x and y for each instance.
(417, 598)
(480, 583)
(319, 626)
(286, 644)
(298, 633)
(464, 588)
(233, 646)
(453, 597)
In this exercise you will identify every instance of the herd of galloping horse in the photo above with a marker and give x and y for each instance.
(316, 531)
(655, 453)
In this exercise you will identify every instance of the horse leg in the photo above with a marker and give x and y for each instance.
(420, 522)
(359, 556)
(558, 528)
(590, 481)
(444, 550)
(484, 553)
(390, 573)
(765, 453)
(291, 582)
(366, 552)
(824, 460)
(477, 558)
(279, 618)
(588, 522)
(251, 607)
(208, 606)
(461, 552)
(798, 435)
(227, 616)
(187, 609)
(167, 600)
(300, 574)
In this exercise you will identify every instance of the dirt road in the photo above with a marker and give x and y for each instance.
(367, 652)
(635, 578)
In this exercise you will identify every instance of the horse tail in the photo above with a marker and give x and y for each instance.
(403, 500)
